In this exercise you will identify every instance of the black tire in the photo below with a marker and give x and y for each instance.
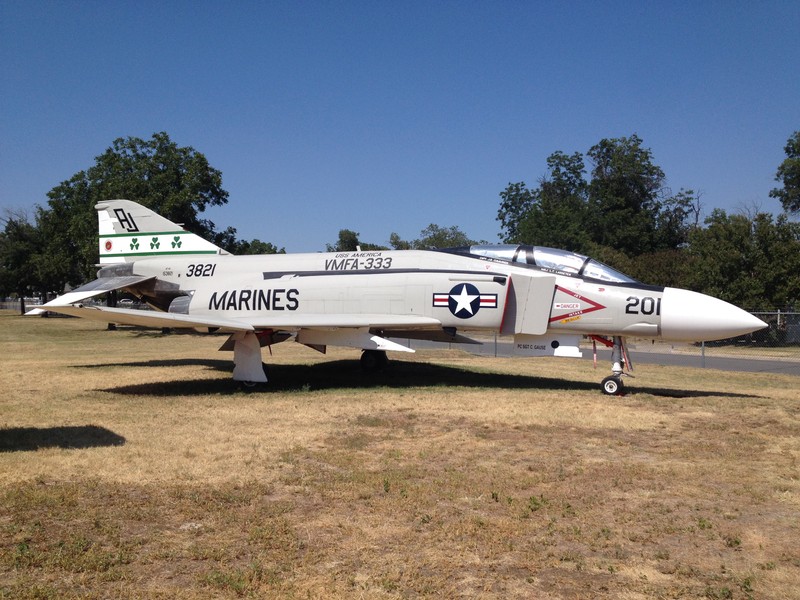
(612, 386)
(373, 360)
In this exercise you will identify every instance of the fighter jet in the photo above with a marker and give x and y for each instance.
(547, 299)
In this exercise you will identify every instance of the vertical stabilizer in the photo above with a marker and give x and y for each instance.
(129, 231)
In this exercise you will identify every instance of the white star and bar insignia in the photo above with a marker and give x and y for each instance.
(464, 300)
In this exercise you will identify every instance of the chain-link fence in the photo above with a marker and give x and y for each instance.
(784, 330)
(773, 349)
(15, 304)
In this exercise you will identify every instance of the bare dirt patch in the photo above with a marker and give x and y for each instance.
(132, 466)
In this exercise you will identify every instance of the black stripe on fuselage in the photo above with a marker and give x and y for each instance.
(279, 274)
(498, 277)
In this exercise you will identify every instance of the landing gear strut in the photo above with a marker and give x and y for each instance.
(612, 385)
(247, 365)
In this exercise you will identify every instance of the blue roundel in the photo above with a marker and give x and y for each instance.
(464, 300)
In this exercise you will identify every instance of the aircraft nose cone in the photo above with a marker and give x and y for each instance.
(690, 316)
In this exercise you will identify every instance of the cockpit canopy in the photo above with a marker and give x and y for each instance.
(550, 259)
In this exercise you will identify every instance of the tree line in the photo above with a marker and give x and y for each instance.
(611, 203)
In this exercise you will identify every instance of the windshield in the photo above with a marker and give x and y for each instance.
(551, 259)
(560, 260)
(597, 270)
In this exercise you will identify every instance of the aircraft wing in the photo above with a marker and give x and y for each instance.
(148, 318)
(91, 289)
(344, 321)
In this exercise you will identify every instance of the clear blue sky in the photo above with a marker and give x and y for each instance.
(387, 116)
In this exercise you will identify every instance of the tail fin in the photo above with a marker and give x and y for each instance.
(129, 231)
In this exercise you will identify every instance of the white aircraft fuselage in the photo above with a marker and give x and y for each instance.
(546, 298)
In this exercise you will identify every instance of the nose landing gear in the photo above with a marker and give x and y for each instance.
(613, 385)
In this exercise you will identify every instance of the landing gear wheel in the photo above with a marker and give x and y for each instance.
(251, 386)
(373, 360)
(613, 386)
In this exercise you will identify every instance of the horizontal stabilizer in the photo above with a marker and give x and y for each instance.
(95, 288)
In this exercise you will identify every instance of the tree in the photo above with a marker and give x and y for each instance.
(749, 261)
(777, 247)
(258, 247)
(397, 243)
(516, 203)
(789, 174)
(176, 182)
(18, 240)
(56, 259)
(554, 214)
(348, 242)
(624, 195)
(678, 216)
(623, 211)
(434, 237)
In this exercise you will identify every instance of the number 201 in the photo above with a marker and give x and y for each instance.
(644, 306)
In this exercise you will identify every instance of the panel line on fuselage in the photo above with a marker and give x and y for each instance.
(278, 274)
(498, 276)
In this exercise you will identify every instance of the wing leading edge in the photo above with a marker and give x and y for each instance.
(147, 318)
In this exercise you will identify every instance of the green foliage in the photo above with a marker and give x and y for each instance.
(536, 503)
(397, 243)
(434, 237)
(517, 201)
(555, 213)
(789, 174)
(751, 262)
(624, 209)
(678, 217)
(431, 238)
(61, 247)
(257, 247)
(624, 195)
(177, 182)
(625, 216)
(348, 242)
(18, 241)
(671, 267)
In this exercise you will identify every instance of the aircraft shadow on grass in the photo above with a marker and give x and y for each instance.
(21, 439)
(347, 374)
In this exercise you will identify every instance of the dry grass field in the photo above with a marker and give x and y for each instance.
(132, 466)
